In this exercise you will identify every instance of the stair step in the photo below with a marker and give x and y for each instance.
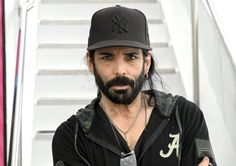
(63, 107)
(53, 72)
(61, 58)
(84, 85)
(96, 1)
(65, 85)
(43, 72)
(49, 113)
(62, 45)
(64, 22)
(83, 22)
(79, 33)
(42, 152)
(84, 45)
(83, 11)
(73, 58)
(44, 134)
(63, 101)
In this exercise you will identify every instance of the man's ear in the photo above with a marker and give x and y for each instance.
(89, 62)
(147, 62)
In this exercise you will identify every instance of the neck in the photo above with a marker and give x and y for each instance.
(114, 110)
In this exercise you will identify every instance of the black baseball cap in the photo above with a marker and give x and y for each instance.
(118, 26)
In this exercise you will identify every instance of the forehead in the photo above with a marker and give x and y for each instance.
(118, 49)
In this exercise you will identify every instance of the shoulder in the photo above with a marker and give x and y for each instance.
(192, 118)
(188, 109)
(63, 140)
(65, 131)
(64, 144)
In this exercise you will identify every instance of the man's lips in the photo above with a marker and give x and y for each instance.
(120, 87)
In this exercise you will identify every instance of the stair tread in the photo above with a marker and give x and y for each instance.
(41, 72)
(84, 45)
(83, 85)
(72, 33)
(96, 1)
(74, 58)
(63, 72)
(62, 100)
(80, 11)
(83, 21)
(44, 134)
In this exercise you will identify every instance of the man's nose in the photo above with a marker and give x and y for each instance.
(119, 67)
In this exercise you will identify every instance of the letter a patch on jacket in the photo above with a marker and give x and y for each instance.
(172, 146)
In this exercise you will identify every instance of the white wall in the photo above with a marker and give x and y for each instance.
(221, 140)
(223, 68)
(218, 72)
(224, 11)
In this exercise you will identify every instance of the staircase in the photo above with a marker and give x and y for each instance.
(62, 81)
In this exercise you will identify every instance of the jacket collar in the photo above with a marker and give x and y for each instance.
(165, 103)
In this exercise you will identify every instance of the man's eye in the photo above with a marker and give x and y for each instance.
(131, 57)
(106, 57)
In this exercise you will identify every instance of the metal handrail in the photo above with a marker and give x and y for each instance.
(195, 61)
(15, 146)
(220, 34)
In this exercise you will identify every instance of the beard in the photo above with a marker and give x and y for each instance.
(120, 96)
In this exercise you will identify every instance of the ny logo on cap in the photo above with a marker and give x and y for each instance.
(119, 24)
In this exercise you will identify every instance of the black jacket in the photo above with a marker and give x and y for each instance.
(176, 135)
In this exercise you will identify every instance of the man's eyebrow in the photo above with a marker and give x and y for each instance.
(111, 54)
(105, 53)
(132, 52)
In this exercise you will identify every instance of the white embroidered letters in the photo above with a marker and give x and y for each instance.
(172, 146)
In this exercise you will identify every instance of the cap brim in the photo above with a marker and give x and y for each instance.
(112, 43)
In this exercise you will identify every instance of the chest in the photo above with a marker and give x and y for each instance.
(164, 150)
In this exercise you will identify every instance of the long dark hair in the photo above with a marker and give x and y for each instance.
(154, 77)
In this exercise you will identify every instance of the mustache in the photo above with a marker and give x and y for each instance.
(120, 80)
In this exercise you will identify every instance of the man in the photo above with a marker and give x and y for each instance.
(126, 125)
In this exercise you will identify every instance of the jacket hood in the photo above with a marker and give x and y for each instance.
(165, 103)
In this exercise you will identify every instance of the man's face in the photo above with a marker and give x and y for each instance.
(119, 72)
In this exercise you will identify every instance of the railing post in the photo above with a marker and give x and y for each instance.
(194, 11)
(15, 144)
